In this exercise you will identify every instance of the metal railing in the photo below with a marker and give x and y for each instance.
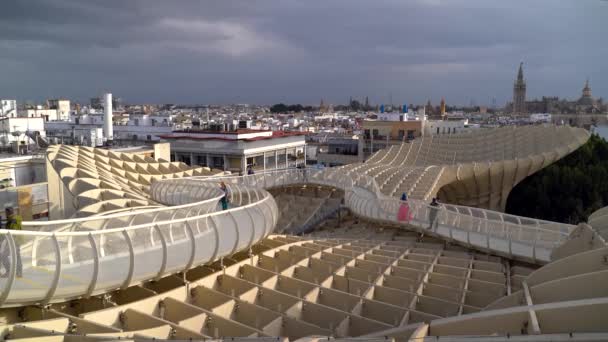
(496, 232)
(492, 215)
(383, 207)
(86, 256)
(78, 262)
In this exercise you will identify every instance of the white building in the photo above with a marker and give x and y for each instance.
(87, 129)
(144, 127)
(145, 133)
(88, 119)
(411, 115)
(440, 127)
(540, 118)
(19, 131)
(391, 117)
(8, 108)
(40, 112)
(236, 150)
(62, 107)
(60, 132)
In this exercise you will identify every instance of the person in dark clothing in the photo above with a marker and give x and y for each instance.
(13, 222)
(250, 170)
(433, 211)
(224, 200)
(304, 172)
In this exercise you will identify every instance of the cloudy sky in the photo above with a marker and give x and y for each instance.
(299, 51)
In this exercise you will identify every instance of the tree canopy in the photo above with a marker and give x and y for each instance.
(283, 108)
(567, 191)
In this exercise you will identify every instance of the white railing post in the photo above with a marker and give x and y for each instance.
(488, 240)
(131, 271)
(70, 247)
(510, 240)
(190, 233)
(170, 225)
(236, 230)
(163, 242)
(95, 275)
(12, 269)
(57, 274)
(250, 243)
(35, 251)
(152, 242)
(217, 237)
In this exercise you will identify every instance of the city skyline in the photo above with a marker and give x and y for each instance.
(289, 52)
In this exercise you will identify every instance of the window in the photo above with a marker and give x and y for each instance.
(454, 130)
(218, 161)
(184, 159)
(437, 130)
(149, 137)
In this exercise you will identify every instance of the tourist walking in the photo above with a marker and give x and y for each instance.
(433, 211)
(404, 214)
(13, 222)
(250, 170)
(225, 199)
(304, 172)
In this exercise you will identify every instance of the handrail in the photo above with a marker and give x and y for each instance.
(376, 189)
(165, 232)
(117, 215)
(370, 184)
(184, 240)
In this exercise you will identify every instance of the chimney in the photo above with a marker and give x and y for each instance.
(108, 129)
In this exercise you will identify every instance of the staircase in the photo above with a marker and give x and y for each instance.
(35, 136)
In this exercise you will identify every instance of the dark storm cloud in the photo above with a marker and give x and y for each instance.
(299, 51)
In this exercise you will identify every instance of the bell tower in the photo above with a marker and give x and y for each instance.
(519, 92)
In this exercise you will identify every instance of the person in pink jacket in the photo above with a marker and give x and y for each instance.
(404, 214)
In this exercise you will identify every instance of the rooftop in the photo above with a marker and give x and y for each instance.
(239, 134)
(173, 266)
